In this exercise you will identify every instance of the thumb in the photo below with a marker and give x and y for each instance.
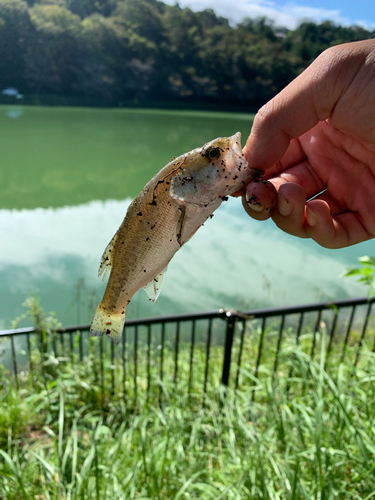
(308, 99)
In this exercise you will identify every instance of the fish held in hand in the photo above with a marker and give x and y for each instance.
(165, 215)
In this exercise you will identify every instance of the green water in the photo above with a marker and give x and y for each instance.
(66, 178)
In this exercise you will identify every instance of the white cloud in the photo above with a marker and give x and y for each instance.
(231, 258)
(288, 15)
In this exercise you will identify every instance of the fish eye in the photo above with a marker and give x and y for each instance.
(214, 153)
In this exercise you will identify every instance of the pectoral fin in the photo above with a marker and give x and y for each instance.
(187, 222)
(106, 260)
(153, 288)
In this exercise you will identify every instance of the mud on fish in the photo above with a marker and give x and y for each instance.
(163, 217)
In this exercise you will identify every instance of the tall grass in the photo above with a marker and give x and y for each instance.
(309, 434)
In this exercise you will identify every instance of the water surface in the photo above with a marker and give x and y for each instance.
(67, 176)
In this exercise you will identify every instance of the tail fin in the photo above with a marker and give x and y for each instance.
(108, 324)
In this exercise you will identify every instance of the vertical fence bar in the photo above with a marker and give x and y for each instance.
(135, 364)
(240, 355)
(71, 345)
(29, 351)
(276, 361)
(316, 329)
(62, 345)
(192, 344)
(162, 363)
(208, 348)
(260, 347)
(299, 329)
(346, 340)
(148, 358)
(14, 360)
(229, 335)
(112, 368)
(363, 333)
(54, 343)
(176, 352)
(332, 332)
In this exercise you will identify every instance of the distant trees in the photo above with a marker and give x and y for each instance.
(116, 50)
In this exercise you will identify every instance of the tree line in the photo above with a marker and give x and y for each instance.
(121, 50)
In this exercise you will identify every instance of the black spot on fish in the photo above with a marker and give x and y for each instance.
(108, 332)
(187, 178)
(211, 216)
(235, 177)
(144, 270)
(225, 198)
(139, 213)
(152, 227)
(153, 202)
(147, 239)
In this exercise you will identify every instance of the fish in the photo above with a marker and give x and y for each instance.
(161, 219)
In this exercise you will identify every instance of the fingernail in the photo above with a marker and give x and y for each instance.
(311, 217)
(253, 203)
(284, 206)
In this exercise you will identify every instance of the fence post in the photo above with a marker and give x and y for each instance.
(231, 321)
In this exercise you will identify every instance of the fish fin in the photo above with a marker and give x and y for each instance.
(184, 230)
(180, 225)
(153, 288)
(106, 260)
(105, 323)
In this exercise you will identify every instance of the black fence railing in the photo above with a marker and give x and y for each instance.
(200, 350)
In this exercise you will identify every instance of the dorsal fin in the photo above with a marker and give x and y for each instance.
(106, 260)
(153, 288)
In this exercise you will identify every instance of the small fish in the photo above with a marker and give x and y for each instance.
(162, 218)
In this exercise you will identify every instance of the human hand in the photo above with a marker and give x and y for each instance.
(319, 134)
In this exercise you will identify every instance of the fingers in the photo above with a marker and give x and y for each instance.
(260, 200)
(315, 220)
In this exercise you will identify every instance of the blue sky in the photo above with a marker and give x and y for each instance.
(290, 13)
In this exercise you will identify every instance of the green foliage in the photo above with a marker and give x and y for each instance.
(117, 50)
(309, 435)
(111, 428)
(365, 273)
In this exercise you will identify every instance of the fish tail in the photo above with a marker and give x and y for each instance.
(105, 323)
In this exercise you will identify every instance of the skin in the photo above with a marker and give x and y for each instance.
(319, 134)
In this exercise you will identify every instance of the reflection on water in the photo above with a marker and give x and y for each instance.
(66, 179)
(231, 262)
(14, 112)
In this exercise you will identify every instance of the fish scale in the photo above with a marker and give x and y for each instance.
(163, 217)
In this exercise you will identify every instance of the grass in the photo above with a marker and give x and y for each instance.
(309, 434)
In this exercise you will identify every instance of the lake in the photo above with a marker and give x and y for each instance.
(67, 177)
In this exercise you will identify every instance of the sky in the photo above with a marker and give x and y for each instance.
(290, 14)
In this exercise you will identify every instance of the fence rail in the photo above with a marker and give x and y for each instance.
(181, 346)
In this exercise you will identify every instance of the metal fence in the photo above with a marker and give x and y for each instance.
(200, 350)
